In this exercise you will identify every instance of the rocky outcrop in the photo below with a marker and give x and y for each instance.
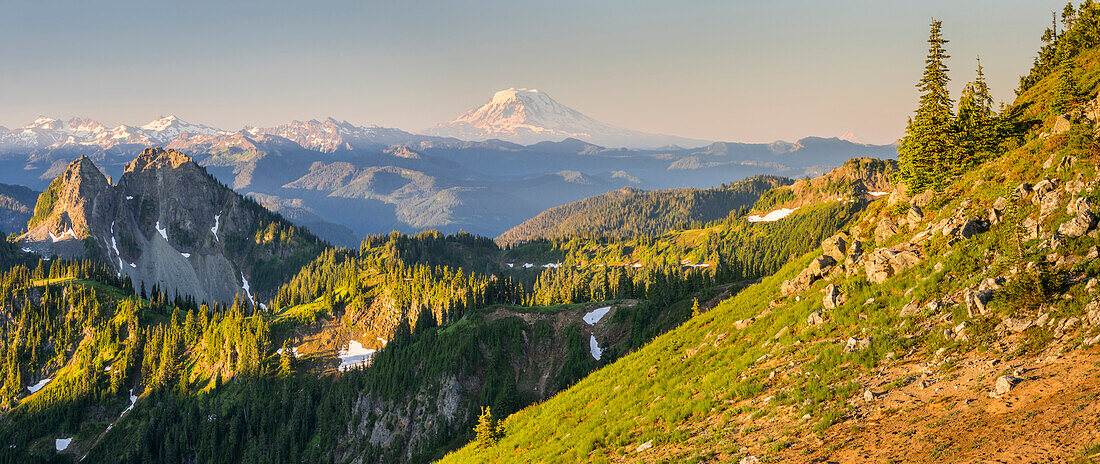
(166, 223)
(832, 298)
(883, 263)
(1083, 219)
(885, 229)
(817, 269)
(836, 247)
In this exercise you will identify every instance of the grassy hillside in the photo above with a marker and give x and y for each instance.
(965, 332)
(630, 212)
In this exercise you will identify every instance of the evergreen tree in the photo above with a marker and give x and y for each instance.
(695, 308)
(488, 430)
(975, 126)
(286, 360)
(926, 147)
(1066, 93)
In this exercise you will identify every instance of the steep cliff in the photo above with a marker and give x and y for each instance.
(168, 223)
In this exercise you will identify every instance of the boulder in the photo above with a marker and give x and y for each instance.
(1004, 384)
(835, 247)
(991, 283)
(1000, 204)
(911, 309)
(915, 215)
(832, 297)
(1022, 190)
(960, 332)
(885, 229)
(922, 199)
(817, 269)
(1031, 229)
(883, 263)
(1017, 325)
(1065, 326)
(1062, 124)
(815, 318)
(1076, 185)
(820, 266)
(904, 260)
(1045, 186)
(857, 344)
(877, 265)
(1078, 226)
(855, 256)
(971, 227)
(1083, 218)
(1048, 202)
(976, 301)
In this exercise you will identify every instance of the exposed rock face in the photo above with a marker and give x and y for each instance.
(166, 223)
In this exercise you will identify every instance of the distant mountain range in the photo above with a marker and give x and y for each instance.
(346, 181)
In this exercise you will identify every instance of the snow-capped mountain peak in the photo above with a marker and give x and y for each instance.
(43, 122)
(171, 126)
(851, 137)
(161, 124)
(528, 116)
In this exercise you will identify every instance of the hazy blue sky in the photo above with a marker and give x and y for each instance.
(721, 70)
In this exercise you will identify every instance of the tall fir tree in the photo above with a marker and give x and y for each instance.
(1066, 93)
(975, 126)
(925, 150)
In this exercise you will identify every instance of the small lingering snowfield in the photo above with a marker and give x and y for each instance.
(133, 401)
(594, 347)
(772, 216)
(354, 355)
(38, 386)
(593, 317)
(61, 444)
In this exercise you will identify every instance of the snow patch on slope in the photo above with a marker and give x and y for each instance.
(354, 355)
(133, 401)
(594, 347)
(593, 317)
(38, 386)
(247, 292)
(163, 232)
(56, 238)
(772, 216)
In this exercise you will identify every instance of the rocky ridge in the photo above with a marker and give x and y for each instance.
(166, 223)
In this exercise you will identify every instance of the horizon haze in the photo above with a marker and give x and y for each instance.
(722, 71)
